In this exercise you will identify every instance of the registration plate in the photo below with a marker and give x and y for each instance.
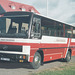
(5, 59)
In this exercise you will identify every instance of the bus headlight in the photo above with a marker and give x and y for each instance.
(21, 57)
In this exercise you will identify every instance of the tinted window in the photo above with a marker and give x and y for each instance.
(51, 28)
(68, 31)
(14, 26)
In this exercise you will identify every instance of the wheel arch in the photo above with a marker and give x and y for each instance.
(67, 52)
(42, 54)
(70, 51)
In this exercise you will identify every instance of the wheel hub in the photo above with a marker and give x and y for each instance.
(37, 60)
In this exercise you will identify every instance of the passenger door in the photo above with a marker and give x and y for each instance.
(36, 28)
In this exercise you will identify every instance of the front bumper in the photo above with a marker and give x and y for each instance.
(13, 57)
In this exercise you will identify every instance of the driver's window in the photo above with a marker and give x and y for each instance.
(36, 28)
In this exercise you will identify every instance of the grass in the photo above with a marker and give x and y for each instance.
(63, 70)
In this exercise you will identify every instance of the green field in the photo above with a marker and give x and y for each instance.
(63, 70)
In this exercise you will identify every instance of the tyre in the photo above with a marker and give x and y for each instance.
(36, 61)
(68, 56)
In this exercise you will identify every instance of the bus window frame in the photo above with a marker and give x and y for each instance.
(10, 14)
(32, 33)
(63, 25)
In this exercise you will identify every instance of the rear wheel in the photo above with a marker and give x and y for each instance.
(68, 56)
(36, 61)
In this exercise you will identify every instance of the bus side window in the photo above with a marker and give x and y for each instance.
(73, 32)
(59, 30)
(45, 30)
(68, 31)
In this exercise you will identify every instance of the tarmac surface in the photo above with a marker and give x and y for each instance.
(7, 68)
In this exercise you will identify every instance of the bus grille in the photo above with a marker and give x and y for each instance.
(11, 48)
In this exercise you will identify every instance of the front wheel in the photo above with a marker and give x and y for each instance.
(36, 61)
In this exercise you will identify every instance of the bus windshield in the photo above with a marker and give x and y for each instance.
(15, 26)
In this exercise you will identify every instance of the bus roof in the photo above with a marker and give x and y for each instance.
(23, 13)
(15, 13)
(54, 19)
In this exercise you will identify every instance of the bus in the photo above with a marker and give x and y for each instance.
(33, 38)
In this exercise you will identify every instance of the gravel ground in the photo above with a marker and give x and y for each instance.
(24, 69)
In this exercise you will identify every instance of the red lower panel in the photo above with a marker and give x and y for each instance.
(31, 59)
(73, 48)
(73, 52)
(52, 57)
(49, 57)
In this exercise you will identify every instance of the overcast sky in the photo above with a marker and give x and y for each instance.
(61, 10)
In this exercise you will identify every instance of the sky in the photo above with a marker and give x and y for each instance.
(60, 10)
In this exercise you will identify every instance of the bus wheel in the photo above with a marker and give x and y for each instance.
(36, 61)
(68, 56)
